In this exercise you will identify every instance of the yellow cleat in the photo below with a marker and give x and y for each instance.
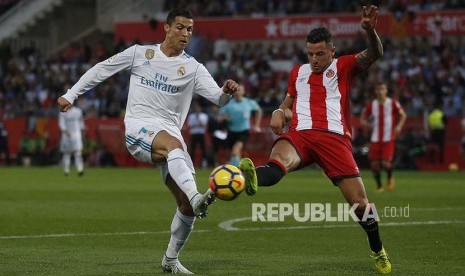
(382, 262)
(391, 184)
(380, 190)
(248, 170)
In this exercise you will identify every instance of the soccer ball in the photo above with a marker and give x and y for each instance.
(227, 182)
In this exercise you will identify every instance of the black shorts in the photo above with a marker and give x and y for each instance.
(233, 137)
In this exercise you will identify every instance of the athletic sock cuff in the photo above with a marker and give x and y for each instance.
(278, 164)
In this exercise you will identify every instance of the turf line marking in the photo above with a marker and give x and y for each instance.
(438, 209)
(65, 235)
(228, 225)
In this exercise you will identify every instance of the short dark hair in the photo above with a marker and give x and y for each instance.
(178, 12)
(318, 35)
(380, 83)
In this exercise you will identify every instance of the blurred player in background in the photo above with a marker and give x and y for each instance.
(198, 124)
(163, 81)
(383, 112)
(4, 143)
(71, 125)
(237, 114)
(437, 122)
(218, 134)
(318, 106)
(462, 123)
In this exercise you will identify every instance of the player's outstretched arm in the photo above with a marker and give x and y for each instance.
(374, 48)
(98, 73)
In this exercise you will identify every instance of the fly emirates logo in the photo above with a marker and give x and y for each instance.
(160, 82)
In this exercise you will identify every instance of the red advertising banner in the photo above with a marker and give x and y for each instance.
(296, 27)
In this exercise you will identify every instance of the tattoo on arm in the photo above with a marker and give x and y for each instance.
(373, 51)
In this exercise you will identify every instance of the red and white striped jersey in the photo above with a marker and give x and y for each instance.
(321, 100)
(383, 119)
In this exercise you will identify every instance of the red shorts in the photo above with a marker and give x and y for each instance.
(332, 152)
(382, 151)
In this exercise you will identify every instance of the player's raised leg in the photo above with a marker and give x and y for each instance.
(283, 159)
(354, 192)
(181, 169)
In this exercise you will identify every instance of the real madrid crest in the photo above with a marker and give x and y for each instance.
(181, 71)
(149, 53)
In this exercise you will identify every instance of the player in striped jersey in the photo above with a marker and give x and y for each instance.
(383, 112)
(163, 81)
(318, 108)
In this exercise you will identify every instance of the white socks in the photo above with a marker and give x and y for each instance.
(181, 227)
(66, 162)
(181, 173)
(78, 161)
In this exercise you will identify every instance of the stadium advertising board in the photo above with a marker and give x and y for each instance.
(296, 27)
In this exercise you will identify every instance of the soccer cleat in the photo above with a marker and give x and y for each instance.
(382, 262)
(201, 202)
(173, 266)
(81, 173)
(248, 170)
(390, 185)
(380, 190)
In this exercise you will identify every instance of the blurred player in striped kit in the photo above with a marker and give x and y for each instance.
(386, 118)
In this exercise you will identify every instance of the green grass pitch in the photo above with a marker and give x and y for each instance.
(116, 222)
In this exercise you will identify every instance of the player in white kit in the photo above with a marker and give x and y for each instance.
(71, 125)
(162, 83)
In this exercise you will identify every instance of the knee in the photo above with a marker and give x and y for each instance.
(237, 147)
(173, 143)
(163, 147)
(362, 206)
(375, 166)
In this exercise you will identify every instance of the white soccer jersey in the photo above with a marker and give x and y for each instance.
(71, 124)
(161, 87)
(71, 121)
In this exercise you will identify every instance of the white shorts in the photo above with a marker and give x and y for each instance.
(70, 144)
(139, 138)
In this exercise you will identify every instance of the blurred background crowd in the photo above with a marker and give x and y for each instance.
(420, 72)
